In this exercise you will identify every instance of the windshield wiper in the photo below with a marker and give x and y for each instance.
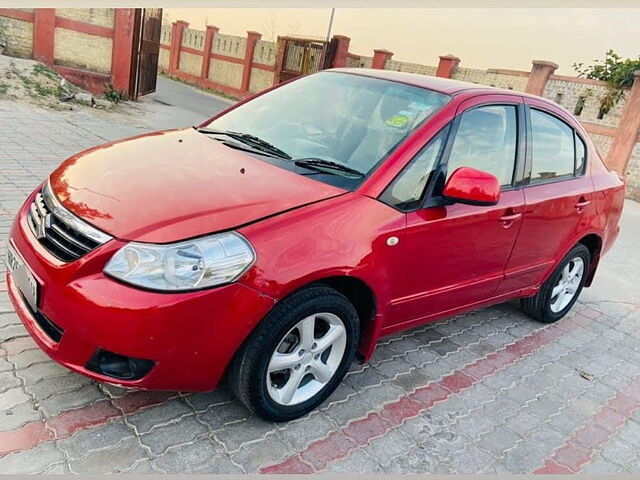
(251, 140)
(323, 165)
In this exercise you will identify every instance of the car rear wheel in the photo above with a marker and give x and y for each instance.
(562, 289)
(297, 355)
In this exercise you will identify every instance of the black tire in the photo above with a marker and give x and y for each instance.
(539, 306)
(248, 371)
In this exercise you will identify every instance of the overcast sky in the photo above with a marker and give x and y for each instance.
(482, 38)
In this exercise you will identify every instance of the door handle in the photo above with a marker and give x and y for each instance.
(582, 204)
(508, 219)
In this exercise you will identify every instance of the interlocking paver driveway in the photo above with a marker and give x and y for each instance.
(489, 391)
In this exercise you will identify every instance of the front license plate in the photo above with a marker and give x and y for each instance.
(23, 278)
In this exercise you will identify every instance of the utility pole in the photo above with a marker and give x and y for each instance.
(333, 12)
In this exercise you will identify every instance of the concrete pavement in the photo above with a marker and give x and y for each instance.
(488, 391)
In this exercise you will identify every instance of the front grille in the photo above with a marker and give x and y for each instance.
(60, 239)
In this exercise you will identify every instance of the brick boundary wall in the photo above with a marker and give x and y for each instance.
(90, 47)
(236, 66)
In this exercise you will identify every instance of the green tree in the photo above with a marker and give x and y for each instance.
(616, 71)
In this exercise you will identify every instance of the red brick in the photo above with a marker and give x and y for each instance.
(591, 313)
(71, 421)
(457, 381)
(481, 369)
(336, 446)
(134, 401)
(591, 436)
(398, 412)
(608, 419)
(364, 430)
(504, 358)
(429, 395)
(290, 465)
(24, 438)
(552, 468)
(573, 455)
(624, 405)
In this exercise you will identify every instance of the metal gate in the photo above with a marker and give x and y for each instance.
(303, 56)
(146, 49)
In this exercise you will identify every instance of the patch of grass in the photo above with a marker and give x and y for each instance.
(41, 69)
(4, 88)
(42, 90)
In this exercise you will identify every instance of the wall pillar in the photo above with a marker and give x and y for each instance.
(380, 58)
(177, 32)
(122, 53)
(252, 39)
(627, 131)
(447, 65)
(539, 76)
(44, 24)
(212, 31)
(282, 44)
(342, 49)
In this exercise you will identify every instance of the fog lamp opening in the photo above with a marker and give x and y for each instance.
(119, 366)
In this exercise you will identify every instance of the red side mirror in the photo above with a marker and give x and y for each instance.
(472, 187)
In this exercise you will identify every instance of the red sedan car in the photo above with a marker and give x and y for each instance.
(283, 237)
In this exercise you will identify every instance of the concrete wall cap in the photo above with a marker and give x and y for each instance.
(449, 56)
(636, 73)
(545, 63)
(382, 50)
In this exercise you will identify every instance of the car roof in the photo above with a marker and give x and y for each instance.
(442, 85)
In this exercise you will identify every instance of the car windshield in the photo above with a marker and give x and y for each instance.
(335, 126)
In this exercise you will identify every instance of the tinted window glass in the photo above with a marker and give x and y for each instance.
(552, 147)
(581, 155)
(349, 119)
(486, 140)
(406, 191)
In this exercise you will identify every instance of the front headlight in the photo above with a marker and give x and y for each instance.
(188, 265)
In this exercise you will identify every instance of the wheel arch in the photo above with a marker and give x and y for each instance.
(593, 242)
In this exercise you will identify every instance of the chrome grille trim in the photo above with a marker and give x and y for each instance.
(64, 235)
(70, 219)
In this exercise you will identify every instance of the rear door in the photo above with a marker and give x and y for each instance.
(558, 196)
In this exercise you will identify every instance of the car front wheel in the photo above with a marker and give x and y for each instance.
(297, 355)
(561, 290)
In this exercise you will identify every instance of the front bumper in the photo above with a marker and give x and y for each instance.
(191, 337)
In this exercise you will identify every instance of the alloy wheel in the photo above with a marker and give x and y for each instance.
(306, 359)
(568, 284)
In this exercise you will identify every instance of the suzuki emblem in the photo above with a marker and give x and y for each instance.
(41, 232)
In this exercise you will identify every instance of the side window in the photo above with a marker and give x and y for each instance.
(581, 155)
(552, 147)
(486, 140)
(407, 189)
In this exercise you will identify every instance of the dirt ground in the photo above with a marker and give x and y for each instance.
(35, 83)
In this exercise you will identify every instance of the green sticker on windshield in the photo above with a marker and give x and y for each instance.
(397, 121)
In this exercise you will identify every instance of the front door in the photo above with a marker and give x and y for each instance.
(454, 255)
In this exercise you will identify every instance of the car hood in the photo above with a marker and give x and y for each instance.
(167, 186)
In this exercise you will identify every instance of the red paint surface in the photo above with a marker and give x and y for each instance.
(44, 25)
(122, 54)
(17, 14)
(156, 188)
(252, 39)
(84, 27)
(472, 185)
